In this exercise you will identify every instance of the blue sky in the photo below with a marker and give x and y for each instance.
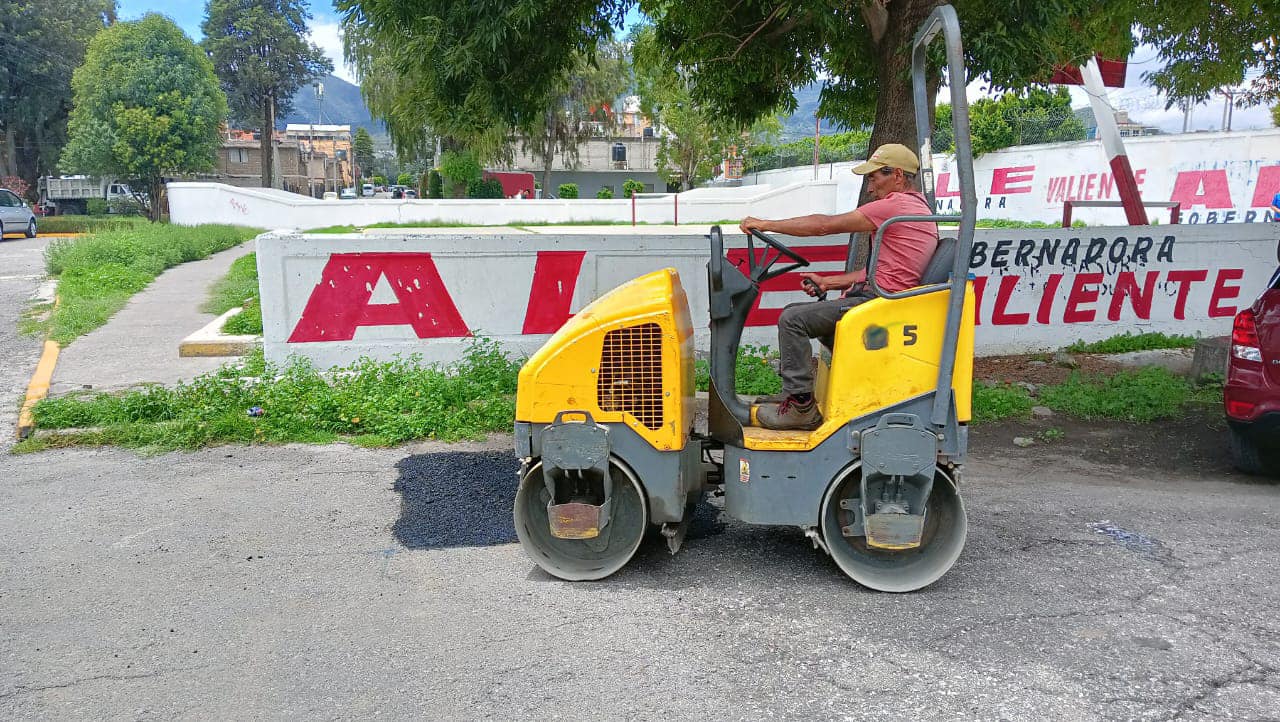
(1143, 104)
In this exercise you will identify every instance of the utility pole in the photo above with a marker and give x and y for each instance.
(318, 87)
(1228, 106)
(1186, 115)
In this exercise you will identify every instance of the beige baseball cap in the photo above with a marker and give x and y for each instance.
(889, 155)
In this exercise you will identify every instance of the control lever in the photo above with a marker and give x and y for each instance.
(822, 295)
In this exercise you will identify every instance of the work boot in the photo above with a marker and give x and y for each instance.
(790, 414)
(770, 399)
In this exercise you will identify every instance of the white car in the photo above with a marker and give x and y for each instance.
(15, 215)
(348, 194)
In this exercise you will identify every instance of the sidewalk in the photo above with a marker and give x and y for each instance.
(140, 343)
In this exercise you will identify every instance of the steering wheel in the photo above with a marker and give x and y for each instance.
(760, 271)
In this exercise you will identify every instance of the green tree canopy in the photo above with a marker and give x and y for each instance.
(475, 64)
(146, 106)
(1016, 118)
(39, 51)
(261, 53)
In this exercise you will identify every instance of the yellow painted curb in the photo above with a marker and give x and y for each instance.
(38, 388)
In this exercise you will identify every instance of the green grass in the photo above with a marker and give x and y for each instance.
(369, 403)
(1141, 396)
(88, 224)
(385, 403)
(755, 375)
(239, 288)
(1003, 401)
(1133, 342)
(98, 273)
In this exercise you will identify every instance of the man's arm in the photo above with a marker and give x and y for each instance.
(813, 225)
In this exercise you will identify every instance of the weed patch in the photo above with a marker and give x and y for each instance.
(98, 273)
(1140, 396)
(1001, 401)
(369, 403)
(239, 288)
(88, 224)
(1126, 342)
(755, 374)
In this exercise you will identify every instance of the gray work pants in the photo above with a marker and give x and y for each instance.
(800, 322)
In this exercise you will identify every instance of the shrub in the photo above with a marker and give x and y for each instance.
(435, 184)
(96, 207)
(126, 207)
(19, 187)
(404, 179)
(568, 190)
(605, 193)
(459, 168)
(380, 180)
(631, 186)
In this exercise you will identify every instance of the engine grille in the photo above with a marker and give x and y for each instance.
(630, 377)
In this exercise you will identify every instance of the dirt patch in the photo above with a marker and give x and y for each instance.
(1040, 369)
(1195, 443)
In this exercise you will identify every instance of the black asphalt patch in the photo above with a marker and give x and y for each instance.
(466, 499)
(457, 499)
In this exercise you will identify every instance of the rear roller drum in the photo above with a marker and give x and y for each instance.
(895, 571)
(582, 559)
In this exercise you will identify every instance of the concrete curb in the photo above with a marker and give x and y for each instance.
(210, 341)
(38, 388)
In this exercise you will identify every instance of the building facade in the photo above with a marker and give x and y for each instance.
(306, 164)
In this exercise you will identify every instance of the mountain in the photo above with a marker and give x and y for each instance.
(800, 123)
(342, 105)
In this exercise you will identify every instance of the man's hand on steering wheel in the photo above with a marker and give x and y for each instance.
(750, 223)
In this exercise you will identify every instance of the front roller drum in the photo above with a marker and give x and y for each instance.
(941, 541)
(582, 559)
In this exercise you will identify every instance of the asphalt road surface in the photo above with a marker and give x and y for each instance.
(21, 273)
(339, 582)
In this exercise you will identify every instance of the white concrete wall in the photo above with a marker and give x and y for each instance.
(405, 294)
(1217, 177)
(1228, 175)
(196, 203)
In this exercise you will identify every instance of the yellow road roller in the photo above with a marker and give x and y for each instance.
(605, 409)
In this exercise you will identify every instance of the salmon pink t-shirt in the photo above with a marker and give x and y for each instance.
(906, 247)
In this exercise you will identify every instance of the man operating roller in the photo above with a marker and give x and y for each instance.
(905, 251)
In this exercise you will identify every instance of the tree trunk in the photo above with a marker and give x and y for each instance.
(548, 153)
(267, 145)
(155, 200)
(895, 110)
(10, 150)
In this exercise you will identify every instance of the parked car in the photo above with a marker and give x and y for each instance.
(15, 215)
(1252, 392)
(410, 193)
(348, 194)
(367, 190)
(331, 196)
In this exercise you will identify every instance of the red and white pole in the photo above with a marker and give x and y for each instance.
(1109, 134)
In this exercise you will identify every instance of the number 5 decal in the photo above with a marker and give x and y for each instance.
(909, 332)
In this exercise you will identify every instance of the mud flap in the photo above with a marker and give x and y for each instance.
(575, 469)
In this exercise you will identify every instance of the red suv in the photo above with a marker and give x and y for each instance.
(1252, 391)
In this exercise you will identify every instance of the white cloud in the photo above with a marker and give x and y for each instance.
(328, 35)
